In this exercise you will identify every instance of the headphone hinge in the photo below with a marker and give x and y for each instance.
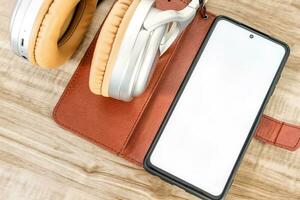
(202, 9)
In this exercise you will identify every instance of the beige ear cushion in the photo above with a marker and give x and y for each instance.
(108, 45)
(46, 48)
(67, 24)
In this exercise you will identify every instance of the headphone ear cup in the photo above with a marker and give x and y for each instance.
(49, 46)
(108, 45)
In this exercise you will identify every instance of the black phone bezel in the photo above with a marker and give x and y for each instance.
(179, 182)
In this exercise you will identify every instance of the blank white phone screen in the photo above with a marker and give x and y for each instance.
(204, 136)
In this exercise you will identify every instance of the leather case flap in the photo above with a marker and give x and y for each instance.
(129, 128)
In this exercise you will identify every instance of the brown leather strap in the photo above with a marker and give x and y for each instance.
(278, 133)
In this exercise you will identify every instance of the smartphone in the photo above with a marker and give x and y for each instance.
(213, 117)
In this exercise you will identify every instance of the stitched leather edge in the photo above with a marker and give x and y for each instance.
(265, 140)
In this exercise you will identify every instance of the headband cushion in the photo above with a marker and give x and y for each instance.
(48, 47)
(109, 43)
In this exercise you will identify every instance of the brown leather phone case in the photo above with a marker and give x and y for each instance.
(127, 129)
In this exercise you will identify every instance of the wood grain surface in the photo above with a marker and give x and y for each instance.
(39, 160)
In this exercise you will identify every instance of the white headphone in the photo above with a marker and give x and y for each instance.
(150, 33)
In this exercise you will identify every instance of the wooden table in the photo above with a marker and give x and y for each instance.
(39, 160)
